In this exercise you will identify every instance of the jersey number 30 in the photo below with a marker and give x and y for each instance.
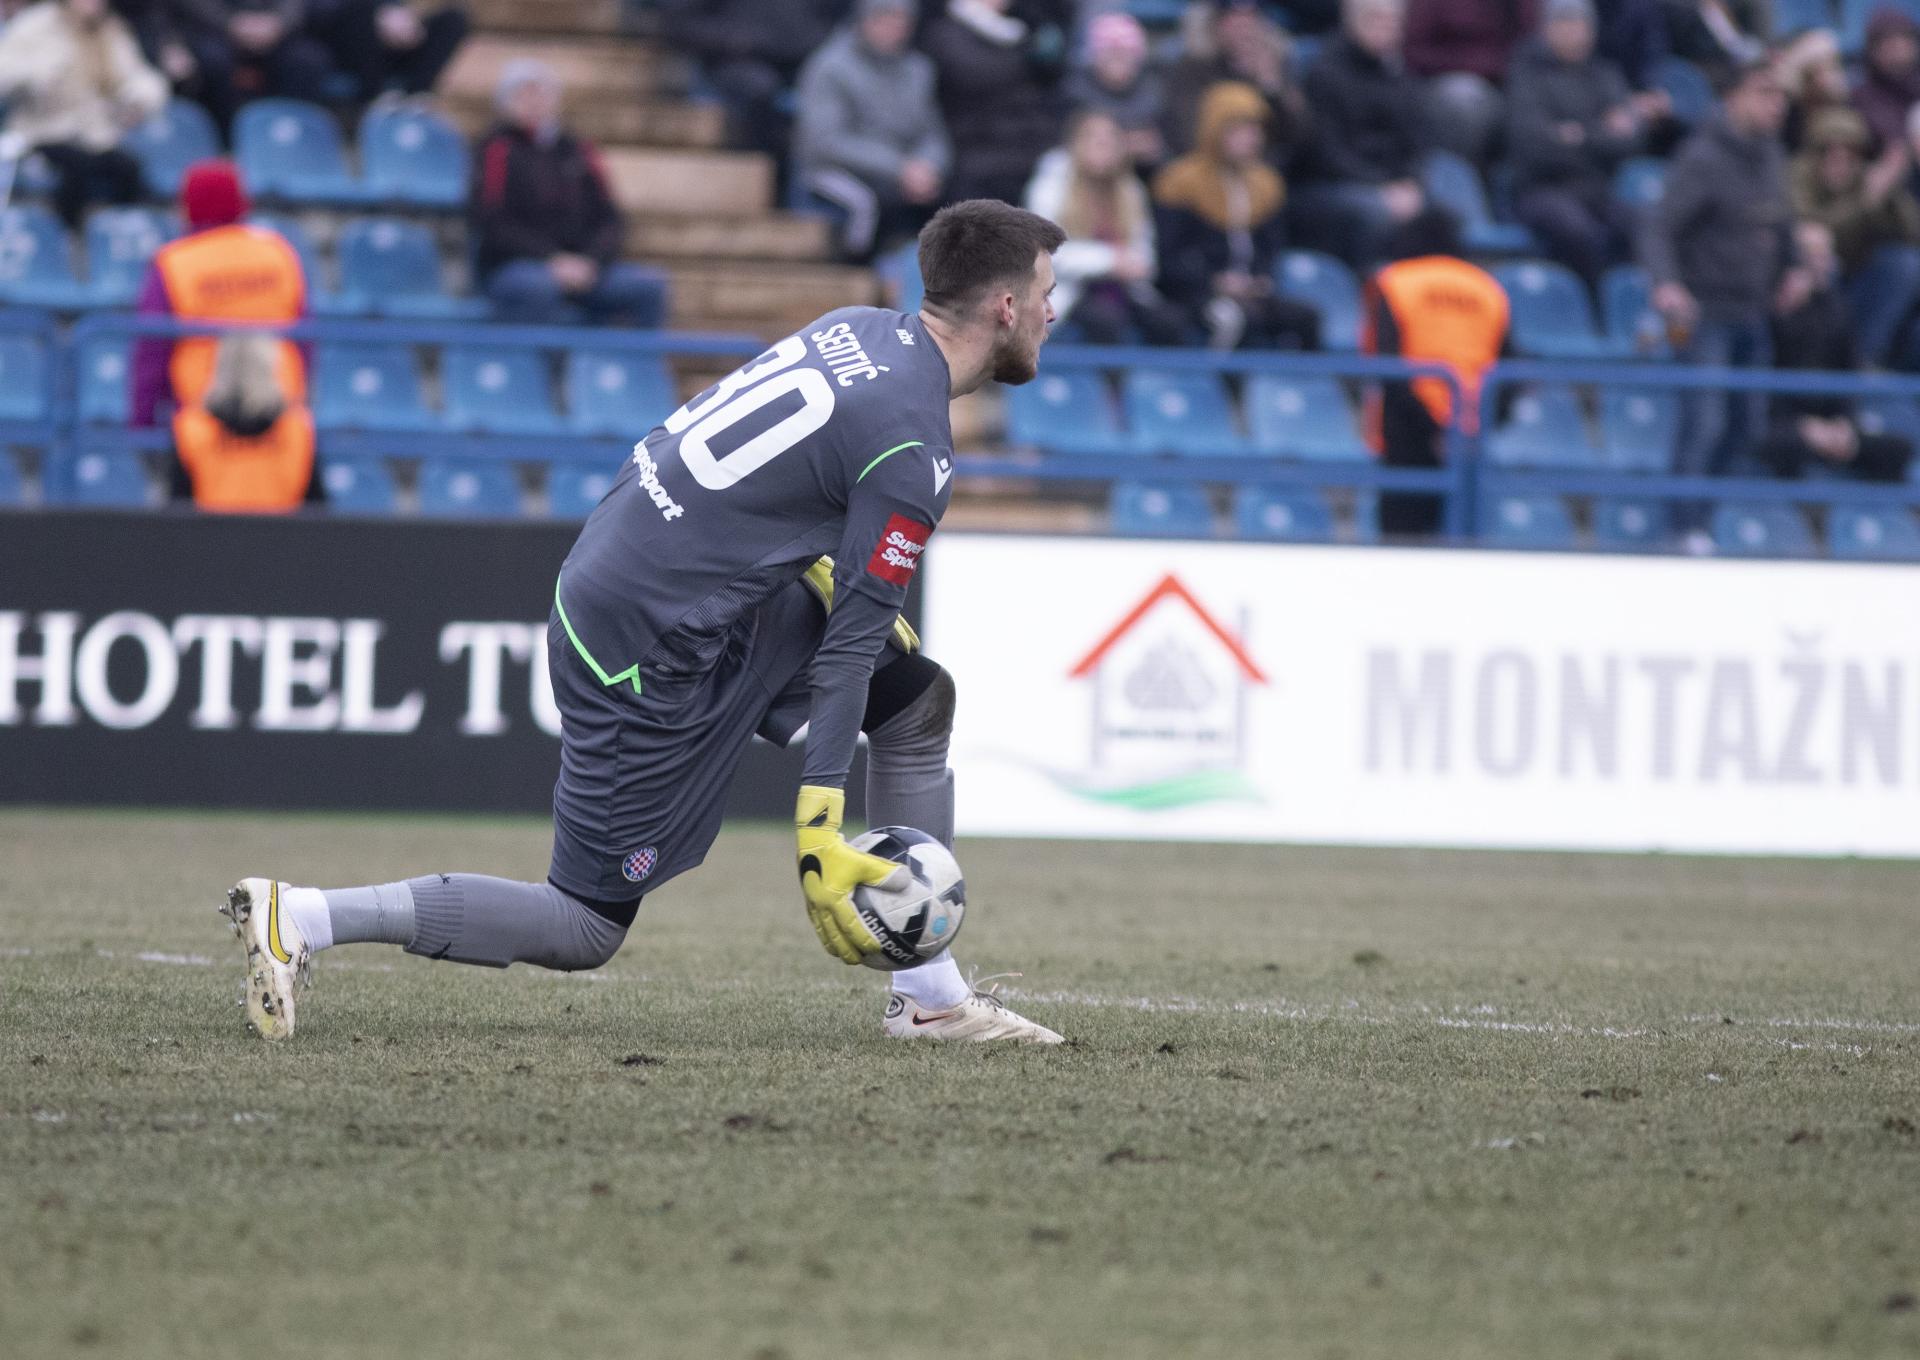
(738, 396)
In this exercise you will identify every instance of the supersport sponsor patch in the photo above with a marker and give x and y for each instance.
(899, 549)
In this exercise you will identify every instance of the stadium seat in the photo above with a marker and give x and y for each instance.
(1183, 412)
(23, 377)
(620, 393)
(1640, 181)
(1305, 417)
(322, 300)
(497, 390)
(1797, 16)
(121, 243)
(1873, 533)
(1624, 523)
(1890, 415)
(107, 480)
(1687, 86)
(572, 492)
(13, 490)
(391, 268)
(1161, 510)
(1637, 429)
(1544, 428)
(1626, 305)
(1517, 521)
(292, 150)
(1069, 410)
(358, 486)
(170, 141)
(411, 155)
(368, 387)
(1552, 316)
(1282, 514)
(103, 381)
(1323, 282)
(902, 270)
(36, 261)
(458, 488)
(1764, 530)
(1455, 185)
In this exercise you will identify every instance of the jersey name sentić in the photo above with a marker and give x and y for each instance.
(841, 353)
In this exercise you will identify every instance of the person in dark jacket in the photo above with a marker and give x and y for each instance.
(1873, 221)
(387, 46)
(751, 51)
(1890, 82)
(1460, 50)
(1237, 41)
(1721, 37)
(1366, 141)
(1118, 80)
(1720, 253)
(1000, 107)
(547, 234)
(1633, 36)
(1572, 122)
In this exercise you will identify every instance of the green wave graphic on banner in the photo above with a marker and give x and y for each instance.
(1166, 794)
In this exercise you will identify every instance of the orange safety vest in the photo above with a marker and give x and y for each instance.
(245, 274)
(1448, 312)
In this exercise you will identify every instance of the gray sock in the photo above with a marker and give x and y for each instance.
(382, 914)
(908, 782)
(473, 918)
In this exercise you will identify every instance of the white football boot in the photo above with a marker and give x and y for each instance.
(278, 959)
(981, 1018)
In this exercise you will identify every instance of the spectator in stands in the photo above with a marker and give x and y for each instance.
(1366, 137)
(1633, 36)
(1721, 37)
(196, 59)
(243, 436)
(751, 52)
(1890, 80)
(1117, 80)
(74, 82)
(1721, 256)
(1104, 273)
(547, 236)
(1235, 40)
(1000, 108)
(1814, 434)
(387, 46)
(1572, 122)
(1220, 230)
(1461, 50)
(869, 137)
(1430, 306)
(273, 54)
(1872, 221)
(1814, 79)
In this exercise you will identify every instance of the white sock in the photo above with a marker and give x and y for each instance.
(935, 985)
(308, 908)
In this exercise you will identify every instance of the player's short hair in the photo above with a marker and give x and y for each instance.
(978, 244)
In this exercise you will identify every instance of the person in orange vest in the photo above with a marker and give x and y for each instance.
(242, 434)
(1429, 305)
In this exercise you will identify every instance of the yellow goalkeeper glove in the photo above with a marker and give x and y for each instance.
(819, 579)
(830, 870)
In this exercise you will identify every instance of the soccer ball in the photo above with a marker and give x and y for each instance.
(919, 921)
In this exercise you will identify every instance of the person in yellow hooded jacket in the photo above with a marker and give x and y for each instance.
(1220, 230)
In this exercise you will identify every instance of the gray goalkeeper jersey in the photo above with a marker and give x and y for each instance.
(835, 441)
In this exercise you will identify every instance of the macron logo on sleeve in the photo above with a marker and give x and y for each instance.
(899, 549)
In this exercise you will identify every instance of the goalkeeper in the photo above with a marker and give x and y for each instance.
(699, 607)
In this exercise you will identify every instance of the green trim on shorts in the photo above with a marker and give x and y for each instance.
(910, 444)
(599, 672)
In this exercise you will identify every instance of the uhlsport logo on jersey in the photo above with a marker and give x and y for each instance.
(639, 864)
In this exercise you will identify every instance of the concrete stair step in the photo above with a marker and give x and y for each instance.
(778, 236)
(615, 122)
(546, 16)
(591, 70)
(766, 299)
(661, 183)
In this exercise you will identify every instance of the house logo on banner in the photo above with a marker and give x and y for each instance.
(1167, 693)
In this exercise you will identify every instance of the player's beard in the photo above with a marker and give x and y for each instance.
(1017, 362)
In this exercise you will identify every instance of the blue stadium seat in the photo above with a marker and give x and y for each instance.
(1545, 428)
(572, 491)
(1621, 522)
(170, 141)
(1305, 417)
(460, 488)
(1326, 283)
(36, 261)
(1873, 533)
(103, 381)
(1637, 429)
(358, 486)
(1687, 86)
(495, 389)
(617, 392)
(1626, 305)
(1161, 510)
(1640, 181)
(368, 387)
(292, 150)
(391, 268)
(108, 480)
(902, 270)
(121, 243)
(1890, 415)
(1282, 514)
(322, 300)
(1517, 521)
(1797, 16)
(1764, 530)
(23, 377)
(13, 490)
(411, 155)
(1552, 315)
(1455, 185)
(1181, 412)
(1067, 411)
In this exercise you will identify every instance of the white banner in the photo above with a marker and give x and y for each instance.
(1132, 689)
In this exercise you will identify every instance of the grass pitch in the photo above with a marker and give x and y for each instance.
(1318, 1103)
